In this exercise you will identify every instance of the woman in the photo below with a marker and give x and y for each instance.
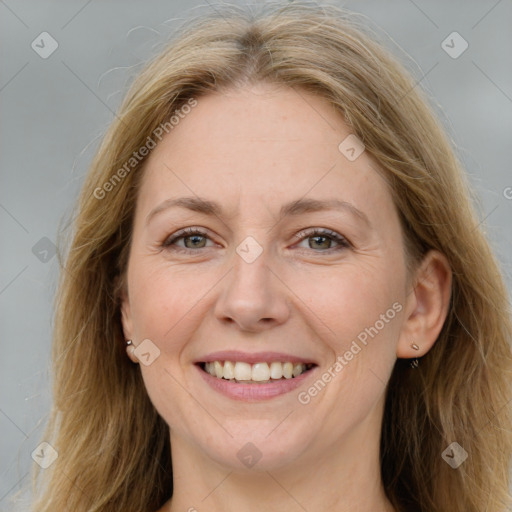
(278, 295)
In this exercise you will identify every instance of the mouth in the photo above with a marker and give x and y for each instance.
(262, 373)
(254, 377)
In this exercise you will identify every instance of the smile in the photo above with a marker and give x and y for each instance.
(257, 373)
(256, 376)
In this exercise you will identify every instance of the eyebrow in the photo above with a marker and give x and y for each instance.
(293, 208)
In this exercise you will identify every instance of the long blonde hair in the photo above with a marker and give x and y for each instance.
(113, 447)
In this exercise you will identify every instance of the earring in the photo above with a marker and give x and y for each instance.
(414, 363)
(130, 349)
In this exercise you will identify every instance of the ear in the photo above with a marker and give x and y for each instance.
(127, 322)
(426, 306)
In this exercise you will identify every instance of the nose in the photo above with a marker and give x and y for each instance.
(253, 297)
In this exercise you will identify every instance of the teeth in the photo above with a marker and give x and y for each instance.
(219, 371)
(243, 371)
(297, 369)
(229, 370)
(259, 372)
(287, 370)
(276, 370)
(210, 368)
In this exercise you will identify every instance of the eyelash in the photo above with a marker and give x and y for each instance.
(342, 242)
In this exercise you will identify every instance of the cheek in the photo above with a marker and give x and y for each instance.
(160, 298)
(361, 306)
(344, 301)
(164, 303)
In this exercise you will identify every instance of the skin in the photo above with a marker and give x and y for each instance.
(252, 150)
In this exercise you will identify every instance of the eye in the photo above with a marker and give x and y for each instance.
(193, 238)
(323, 238)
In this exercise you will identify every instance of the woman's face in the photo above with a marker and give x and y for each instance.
(253, 284)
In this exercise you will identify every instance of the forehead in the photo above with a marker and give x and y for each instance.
(259, 144)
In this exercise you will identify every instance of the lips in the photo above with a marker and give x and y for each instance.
(257, 376)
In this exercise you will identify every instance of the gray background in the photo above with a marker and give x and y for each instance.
(55, 110)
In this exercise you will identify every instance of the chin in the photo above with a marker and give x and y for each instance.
(254, 447)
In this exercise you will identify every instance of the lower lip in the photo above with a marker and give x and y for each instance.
(253, 392)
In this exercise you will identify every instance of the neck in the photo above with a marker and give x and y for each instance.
(346, 478)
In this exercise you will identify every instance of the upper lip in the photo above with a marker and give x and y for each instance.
(253, 357)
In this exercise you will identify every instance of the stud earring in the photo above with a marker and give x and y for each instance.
(414, 363)
(130, 349)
